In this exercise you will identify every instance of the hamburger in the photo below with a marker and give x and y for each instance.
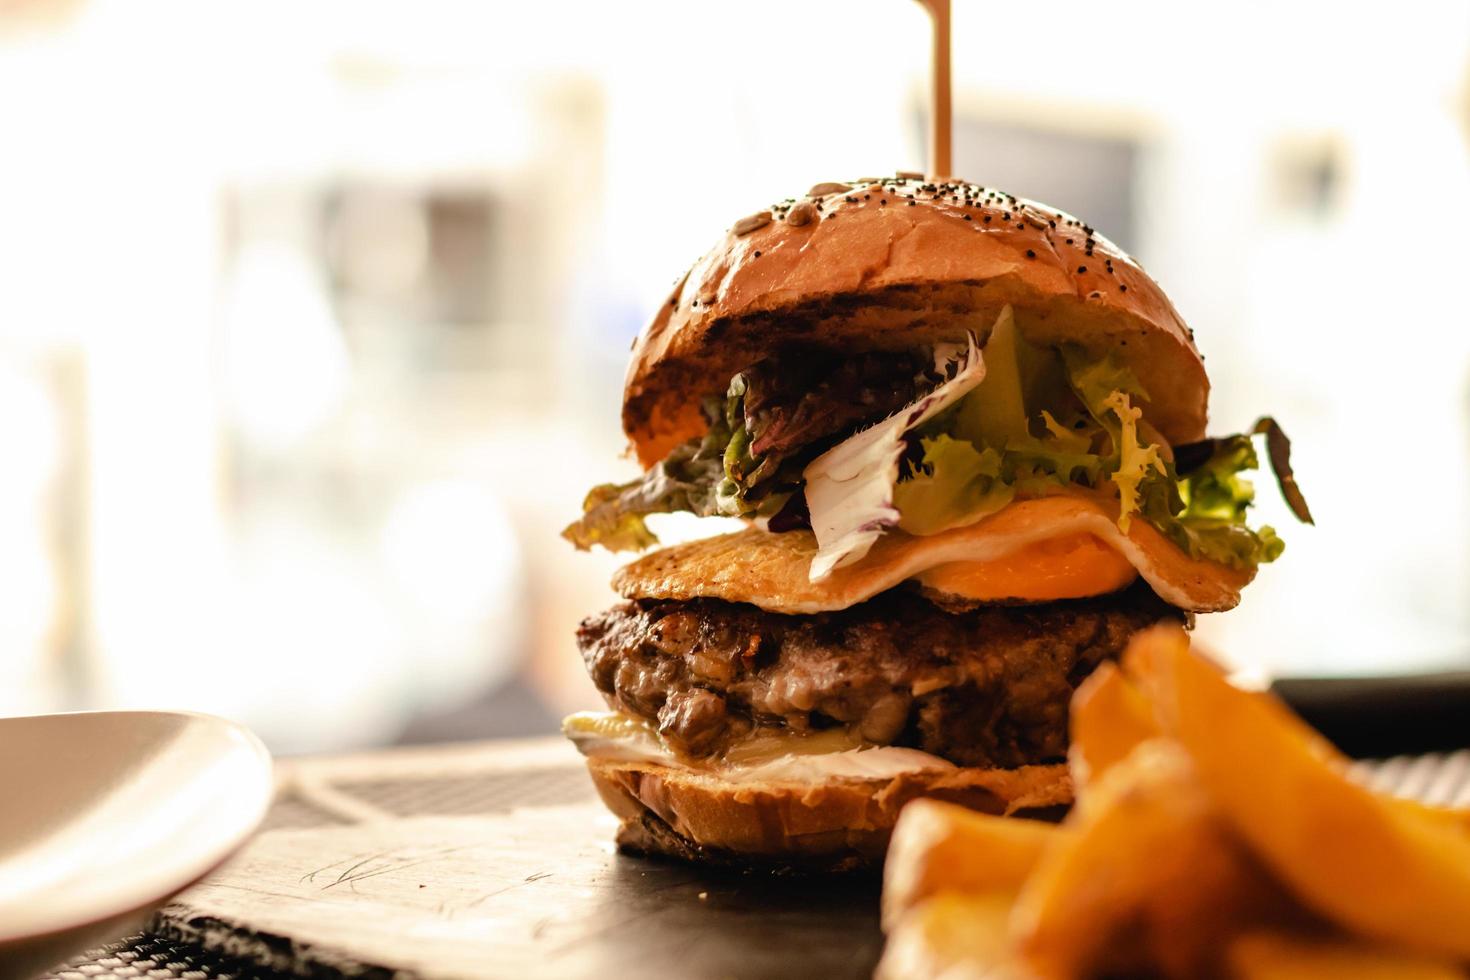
(967, 435)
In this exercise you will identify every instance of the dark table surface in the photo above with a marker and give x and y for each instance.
(525, 884)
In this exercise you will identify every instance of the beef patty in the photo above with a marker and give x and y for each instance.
(986, 687)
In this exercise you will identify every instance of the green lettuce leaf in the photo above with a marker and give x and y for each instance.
(687, 479)
(1074, 440)
(1106, 389)
(1136, 462)
(1037, 452)
(955, 484)
(1013, 437)
(1215, 489)
(1207, 515)
(714, 475)
(1094, 379)
(995, 410)
(1203, 512)
(1042, 420)
(1227, 543)
(613, 521)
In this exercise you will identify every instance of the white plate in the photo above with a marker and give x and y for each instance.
(104, 815)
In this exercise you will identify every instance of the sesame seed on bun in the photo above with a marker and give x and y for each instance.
(896, 264)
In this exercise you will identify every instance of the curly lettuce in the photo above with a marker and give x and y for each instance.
(999, 444)
(1136, 469)
(714, 475)
(1203, 511)
(1136, 461)
(1278, 451)
(953, 485)
(1210, 521)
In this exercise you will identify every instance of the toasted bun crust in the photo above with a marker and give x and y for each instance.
(842, 823)
(842, 268)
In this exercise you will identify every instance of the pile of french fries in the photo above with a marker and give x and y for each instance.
(1215, 835)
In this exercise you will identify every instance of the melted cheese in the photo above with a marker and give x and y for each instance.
(770, 570)
(1068, 567)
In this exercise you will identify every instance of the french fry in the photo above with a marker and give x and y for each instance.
(938, 847)
(1109, 718)
(1214, 831)
(1286, 956)
(1448, 816)
(952, 936)
(1382, 868)
(1148, 876)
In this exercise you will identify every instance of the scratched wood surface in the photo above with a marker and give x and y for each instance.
(529, 891)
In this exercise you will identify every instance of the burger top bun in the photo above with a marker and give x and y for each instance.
(899, 263)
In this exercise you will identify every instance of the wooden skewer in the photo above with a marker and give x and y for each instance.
(939, 104)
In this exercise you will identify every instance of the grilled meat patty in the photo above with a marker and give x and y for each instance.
(985, 687)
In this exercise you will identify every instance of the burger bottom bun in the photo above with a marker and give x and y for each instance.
(839, 824)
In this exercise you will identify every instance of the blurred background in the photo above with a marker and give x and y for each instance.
(313, 315)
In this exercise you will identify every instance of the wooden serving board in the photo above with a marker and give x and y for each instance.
(525, 889)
